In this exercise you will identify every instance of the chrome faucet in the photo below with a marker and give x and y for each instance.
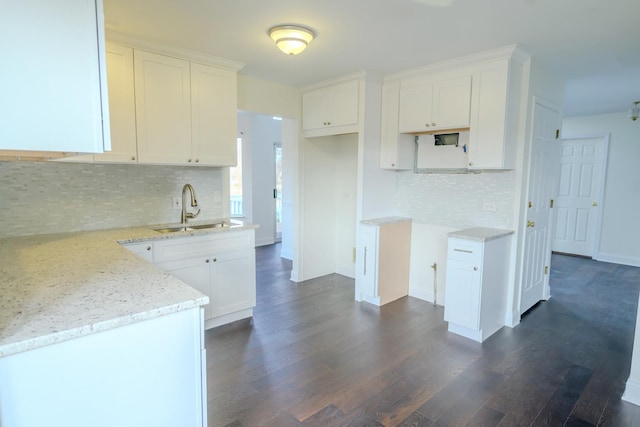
(194, 203)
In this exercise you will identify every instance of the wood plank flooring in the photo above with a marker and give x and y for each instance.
(312, 356)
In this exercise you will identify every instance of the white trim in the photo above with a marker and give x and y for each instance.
(512, 318)
(632, 392)
(617, 259)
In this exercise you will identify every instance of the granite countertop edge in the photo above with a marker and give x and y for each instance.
(480, 234)
(57, 287)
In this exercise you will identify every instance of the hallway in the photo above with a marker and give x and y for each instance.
(312, 356)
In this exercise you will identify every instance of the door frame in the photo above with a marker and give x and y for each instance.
(595, 250)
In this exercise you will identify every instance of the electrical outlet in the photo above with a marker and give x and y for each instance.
(175, 203)
(489, 207)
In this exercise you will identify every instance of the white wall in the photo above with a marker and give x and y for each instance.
(618, 239)
(54, 197)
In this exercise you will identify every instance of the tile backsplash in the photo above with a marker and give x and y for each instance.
(49, 197)
(457, 200)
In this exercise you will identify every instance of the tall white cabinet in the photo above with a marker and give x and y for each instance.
(477, 281)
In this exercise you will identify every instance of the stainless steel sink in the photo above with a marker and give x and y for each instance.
(184, 228)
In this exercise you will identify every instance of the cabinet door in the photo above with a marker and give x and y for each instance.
(122, 108)
(52, 96)
(213, 116)
(233, 282)
(451, 103)
(415, 108)
(462, 305)
(396, 149)
(488, 118)
(195, 272)
(314, 109)
(163, 108)
(343, 104)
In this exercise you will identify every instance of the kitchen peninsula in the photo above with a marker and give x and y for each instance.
(91, 334)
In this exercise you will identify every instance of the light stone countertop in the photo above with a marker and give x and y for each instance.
(58, 287)
(480, 234)
(384, 220)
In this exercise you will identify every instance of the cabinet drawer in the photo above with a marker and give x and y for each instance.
(195, 246)
(464, 250)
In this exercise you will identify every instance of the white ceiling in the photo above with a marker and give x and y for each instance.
(594, 44)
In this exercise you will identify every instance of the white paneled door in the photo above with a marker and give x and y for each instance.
(579, 200)
(543, 168)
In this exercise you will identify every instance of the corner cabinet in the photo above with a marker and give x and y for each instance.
(53, 75)
(331, 110)
(385, 249)
(477, 285)
(220, 265)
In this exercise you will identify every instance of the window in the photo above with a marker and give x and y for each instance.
(235, 182)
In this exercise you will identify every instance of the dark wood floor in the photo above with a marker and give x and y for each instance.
(313, 357)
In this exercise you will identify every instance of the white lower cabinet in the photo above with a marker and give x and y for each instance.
(220, 265)
(477, 286)
(383, 274)
(147, 373)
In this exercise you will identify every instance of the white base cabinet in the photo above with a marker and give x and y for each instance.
(220, 265)
(477, 286)
(149, 373)
(385, 249)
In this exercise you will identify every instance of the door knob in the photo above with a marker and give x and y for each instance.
(594, 204)
(531, 224)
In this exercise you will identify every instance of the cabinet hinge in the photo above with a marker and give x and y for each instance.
(557, 133)
(530, 204)
(551, 203)
(546, 269)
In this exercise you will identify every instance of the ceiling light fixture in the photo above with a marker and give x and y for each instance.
(634, 111)
(291, 39)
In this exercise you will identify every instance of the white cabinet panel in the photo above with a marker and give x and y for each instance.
(122, 108)
(397, 149)
(233, 282)
(213, 116)
(196, 273)
(163, 108)
(53, 86)
(462, 305)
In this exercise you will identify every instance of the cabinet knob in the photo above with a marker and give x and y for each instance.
(426, 125)
(133, 157)
(470, 163)
(393, 165)
(215, 259)
(148, 248)
(189, 161)
(206, 260)
(433, 124)
(197, 160)
(475, 268)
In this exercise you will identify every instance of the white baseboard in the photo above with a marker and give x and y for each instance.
(512, 319)
(617, 259)
(422, 294)
(632, 392)
(265, 241)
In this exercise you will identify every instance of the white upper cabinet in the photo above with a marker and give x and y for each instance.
(213, 115)
(331, 110)
(163, 108)
(185, 111)
(493, 134)
(122, 108)
(396, 149)
(53, 86)
(427, 106)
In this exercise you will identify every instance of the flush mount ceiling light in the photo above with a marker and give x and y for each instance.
(291, 39)
(633, 112)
